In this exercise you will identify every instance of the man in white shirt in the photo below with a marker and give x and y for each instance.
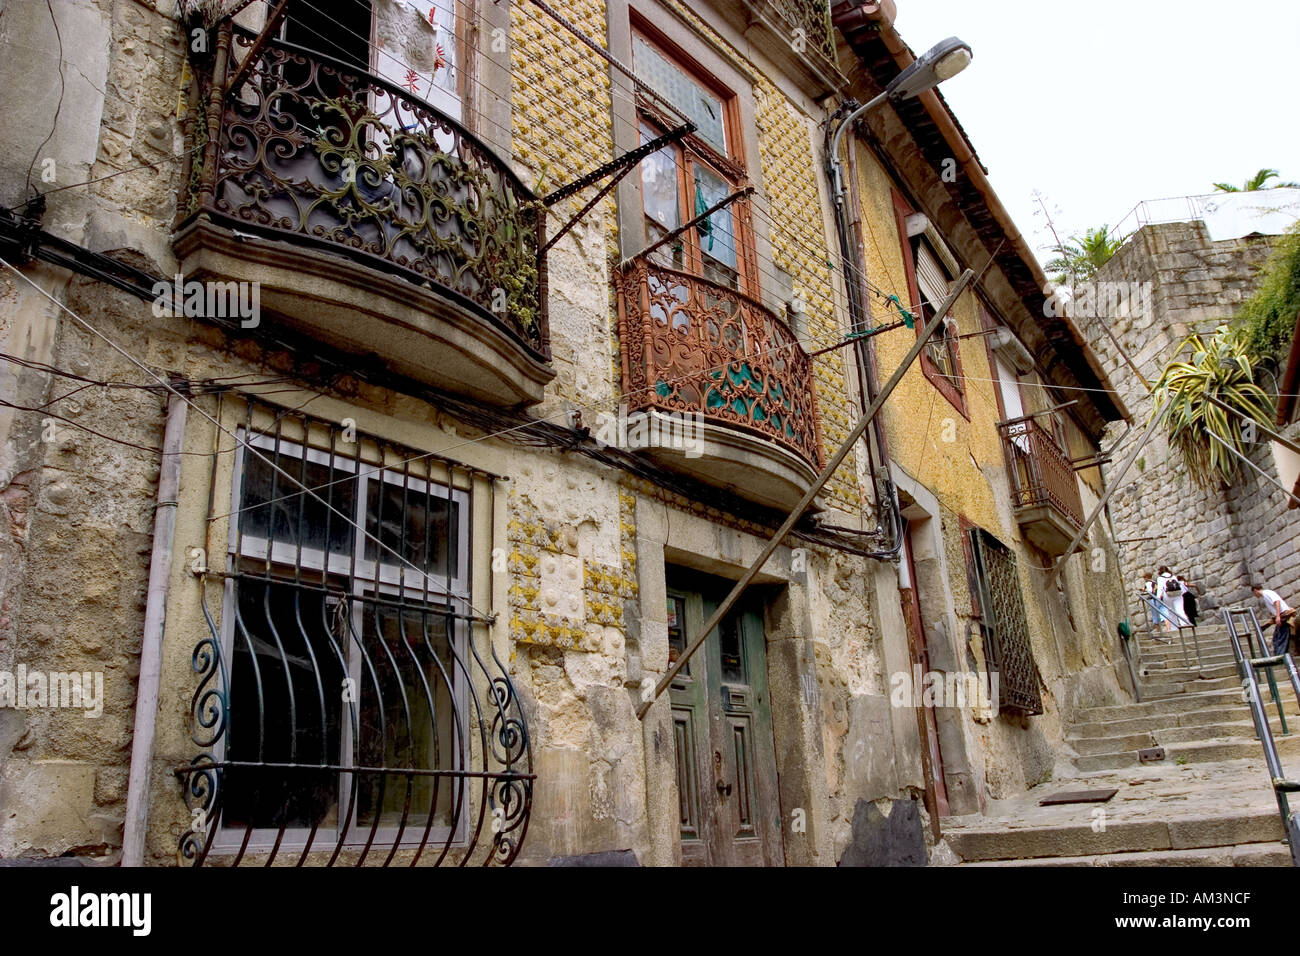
(1281, 613)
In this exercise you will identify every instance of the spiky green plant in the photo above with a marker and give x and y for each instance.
(1079, 257)
(1219, 366)
(1256, 182)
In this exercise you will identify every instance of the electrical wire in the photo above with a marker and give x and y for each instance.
(588, 125)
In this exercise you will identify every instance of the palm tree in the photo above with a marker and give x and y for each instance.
(1079, 259)
(1198, 429)
(1258, 181)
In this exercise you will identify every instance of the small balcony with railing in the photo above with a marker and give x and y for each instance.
(1044, 488)
(704, 360)
(370, 220)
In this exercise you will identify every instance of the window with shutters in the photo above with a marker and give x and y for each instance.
(928, 283)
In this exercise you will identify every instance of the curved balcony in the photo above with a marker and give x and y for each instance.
(370, 220)
(694, 351)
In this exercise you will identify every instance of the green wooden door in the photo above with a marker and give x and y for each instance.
(722, 720)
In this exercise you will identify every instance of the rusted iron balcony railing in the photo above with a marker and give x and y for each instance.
(1041, 473)
(691, 345)
(313, 151)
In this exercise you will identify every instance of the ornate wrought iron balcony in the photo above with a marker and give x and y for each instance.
(695, 347)
(1044, 487)
(382, 206)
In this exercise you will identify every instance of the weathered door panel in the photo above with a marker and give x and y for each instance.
(726, 761)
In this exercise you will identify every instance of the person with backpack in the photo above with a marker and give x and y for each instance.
(1170, 593)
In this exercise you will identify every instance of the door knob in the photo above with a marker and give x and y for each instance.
(724, 789)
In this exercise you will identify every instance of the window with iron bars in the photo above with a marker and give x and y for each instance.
(347, 706)
(1000, 607)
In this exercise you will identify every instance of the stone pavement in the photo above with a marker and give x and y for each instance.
(1207, 803)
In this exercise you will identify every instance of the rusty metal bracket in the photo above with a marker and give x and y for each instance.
(620, 164)
(618, 168)
(255, 51)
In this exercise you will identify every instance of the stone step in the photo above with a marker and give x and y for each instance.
(1089, 746)
(1207, 660)
(1176, 658)
(1201, 751)
(1181, 673)
(1155, 723)
(1156, 690)
(1160, 736)
(1241, 854)
(1180, 703)
(1080, 840)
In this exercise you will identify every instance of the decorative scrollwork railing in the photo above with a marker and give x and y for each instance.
(315, 151)
(691, 345)
(1041, 472)
(812, 17)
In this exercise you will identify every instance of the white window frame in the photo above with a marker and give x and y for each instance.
(436, 591)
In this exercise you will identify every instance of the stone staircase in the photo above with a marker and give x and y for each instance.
(1207, 802)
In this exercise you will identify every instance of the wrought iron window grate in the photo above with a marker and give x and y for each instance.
(349, 706)
(1005, 626)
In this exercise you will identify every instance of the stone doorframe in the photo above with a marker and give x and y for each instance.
(945, 641)
(666, 535)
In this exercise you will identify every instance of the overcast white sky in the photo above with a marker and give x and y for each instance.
(1102, 105)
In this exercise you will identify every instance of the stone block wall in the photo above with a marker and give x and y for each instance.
(1223, 537)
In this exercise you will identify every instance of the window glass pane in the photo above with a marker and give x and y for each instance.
(407, 718)
(716, 233)
(677, 632)
(659, 188)
(274, 504)
(732, 647)
(285, 706)
(683, 91)
(414, 523)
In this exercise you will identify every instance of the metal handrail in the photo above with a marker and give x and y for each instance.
(1246, 667)
(1165, 611)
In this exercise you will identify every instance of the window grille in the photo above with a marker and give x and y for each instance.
(1005, 627)
(350, 707)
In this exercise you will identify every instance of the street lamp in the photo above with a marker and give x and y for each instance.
(941, 62)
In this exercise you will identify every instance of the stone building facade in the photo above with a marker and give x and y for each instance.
(387, 568)
(1222, 538)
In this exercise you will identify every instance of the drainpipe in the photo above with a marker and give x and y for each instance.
(146, 699)
(854, 269)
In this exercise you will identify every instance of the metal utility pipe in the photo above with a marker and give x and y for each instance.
(1258, 470)
(1111, 487)
(1282, 440)
(867, 384)
(146, 698)
(775, 542)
